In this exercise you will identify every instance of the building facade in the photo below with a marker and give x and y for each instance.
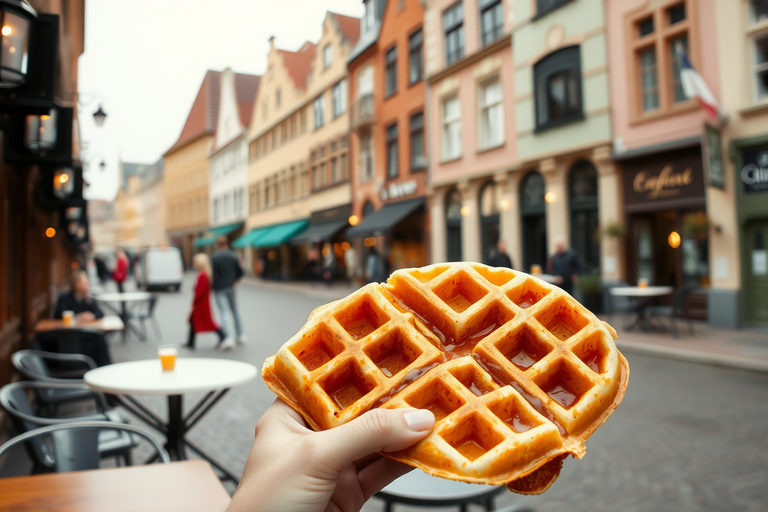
(139, 207)
(298, 154)
(187, 169)
(388, 137)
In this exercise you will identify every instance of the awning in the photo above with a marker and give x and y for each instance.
(247, 239)
(213, 233)
(204, 241)
(280, 233)
(382, 221)
(320, 232)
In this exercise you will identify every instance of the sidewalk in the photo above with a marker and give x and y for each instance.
(744, 349)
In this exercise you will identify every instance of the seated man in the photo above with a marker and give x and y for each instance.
(79, 301)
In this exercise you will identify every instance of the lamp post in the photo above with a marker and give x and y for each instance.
(87, 98)
(16, 17)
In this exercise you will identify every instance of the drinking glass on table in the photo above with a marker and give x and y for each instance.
(642, 283)
(68, 317)
(167, 357)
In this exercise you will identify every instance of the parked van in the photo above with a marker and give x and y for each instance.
(159, 267)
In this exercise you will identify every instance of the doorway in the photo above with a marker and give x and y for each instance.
(755, 273)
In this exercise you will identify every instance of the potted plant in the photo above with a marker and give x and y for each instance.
(612, 230)
(591, 288)
(696, 225)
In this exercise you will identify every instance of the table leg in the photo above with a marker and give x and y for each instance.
(176, 430)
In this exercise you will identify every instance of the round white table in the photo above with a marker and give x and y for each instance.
(108, 299)
(421, 489)
(215, 377)
(547, 278)
(642, 297)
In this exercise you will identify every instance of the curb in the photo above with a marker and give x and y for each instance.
(693, 357)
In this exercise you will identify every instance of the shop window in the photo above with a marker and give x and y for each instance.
(451, 139)
(390, 72)
(453, 28)
(534, 221)
(453, 206)
(758, 33)
(546, 6)
(557, 82)
(392, 152)
(491, 21)
(491, 114)
(418, 157)
(489, 218)
(583, 203)
(415, 57)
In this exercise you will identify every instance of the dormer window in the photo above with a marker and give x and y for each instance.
(327, 56)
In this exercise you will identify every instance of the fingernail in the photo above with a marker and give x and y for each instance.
(419, 419)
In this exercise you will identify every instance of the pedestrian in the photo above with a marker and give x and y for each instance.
(227, 271)
(350, 263)
(499, 257)
(101, 269)
(200, 318)
(374, 267)
(79, 300)
(565, 265)
(120, 273)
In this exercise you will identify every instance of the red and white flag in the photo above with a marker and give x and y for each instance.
(694, 85)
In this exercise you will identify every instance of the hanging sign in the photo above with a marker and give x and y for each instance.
(712, 156)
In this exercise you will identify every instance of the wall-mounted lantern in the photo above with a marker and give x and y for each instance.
(35, 139)
(40, 133)
(74, 220)
(60, 187)
(16, 19)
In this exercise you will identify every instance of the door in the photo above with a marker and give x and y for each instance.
(535, 242)
(755, 273)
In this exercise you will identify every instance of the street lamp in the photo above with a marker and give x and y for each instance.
(102, 165)
(99, 117)
(86, 98)
(16, 17)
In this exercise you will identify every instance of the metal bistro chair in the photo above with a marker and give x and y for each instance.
(616, 303)
(76, 446)
(33, 366)
(146, 311)
(679, 307)
(13, 398)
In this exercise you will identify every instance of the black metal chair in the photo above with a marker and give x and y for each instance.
(679, 308)
(144, 311)
(613, 304)
(33, 365)
(13, 398)
(76, 446)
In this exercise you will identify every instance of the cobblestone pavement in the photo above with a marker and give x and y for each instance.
(687, 437)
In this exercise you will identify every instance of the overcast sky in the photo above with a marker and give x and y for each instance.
(147, 58)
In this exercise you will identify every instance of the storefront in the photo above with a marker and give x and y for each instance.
(326, 236)
(751, 163)
(667, 226)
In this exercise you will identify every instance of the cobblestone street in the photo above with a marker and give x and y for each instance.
(687, 437)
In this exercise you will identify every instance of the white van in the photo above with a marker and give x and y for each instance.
(159, 267)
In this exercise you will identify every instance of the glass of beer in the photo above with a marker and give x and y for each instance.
(167, 357)
(535, 269)
(642, 282)
(68, 317)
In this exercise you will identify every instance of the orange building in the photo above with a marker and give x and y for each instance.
(387, 144)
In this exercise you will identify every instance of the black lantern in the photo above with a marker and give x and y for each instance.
(40, 132)
(74, 223)
(16, 20)
(63, 183)
(34, 139)
(60, 187)
(99, 117)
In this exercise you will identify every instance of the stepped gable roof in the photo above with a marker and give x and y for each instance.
(204, 113)
(349, 27)
(298, 63)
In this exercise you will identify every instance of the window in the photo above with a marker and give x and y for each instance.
(583, 204)
(451, 140)
(316, 178)
(319, 109)
(545, 6)
(264, 109)
(491, 115)
(759, 43)
(415, 57)
(343, 165)
(303, 116)
(390, 72)
(758, 11)
(491, 21)
(392, 167)
(334, 170)
(293, 127)
(339, 94)
(453, 27)
(649, 80)
(273, 136)
(283, 136)
(327, 56)
(453, 206)
(418, 158)
(678, 94)
(278, 98)
(366, 157)
(557, 79)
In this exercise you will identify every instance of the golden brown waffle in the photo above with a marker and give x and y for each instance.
(517, 373)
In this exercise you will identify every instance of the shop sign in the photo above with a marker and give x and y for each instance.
(665, 177)
(713, 156)
(754, 174)
(398, 190)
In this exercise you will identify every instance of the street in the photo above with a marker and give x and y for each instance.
(687, 437)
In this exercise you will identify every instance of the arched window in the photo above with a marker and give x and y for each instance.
(533, 213)
(489, 218)
(582, 195)
(453, 206)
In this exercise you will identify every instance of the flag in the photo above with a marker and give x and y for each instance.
(694, 85)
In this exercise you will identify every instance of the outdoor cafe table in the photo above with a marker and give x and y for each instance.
(420, 489)
(642, 297)
(108, 299)
(215, 377)
(189, 485)
(548, 278)
(105, 324)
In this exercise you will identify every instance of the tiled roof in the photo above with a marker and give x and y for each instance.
(348, 26)
(246, 87)
(204, 113)
(298, 63)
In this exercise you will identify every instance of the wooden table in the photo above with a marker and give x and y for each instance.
(189, 486)
(642, 297)
(110, 299)
(107, 324)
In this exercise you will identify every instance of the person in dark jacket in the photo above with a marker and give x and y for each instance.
(227, 271)
(499, 257)
(565, 265)
(79, 301)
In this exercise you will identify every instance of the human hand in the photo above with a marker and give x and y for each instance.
(293, 469)
(559, 279)
(85, 316)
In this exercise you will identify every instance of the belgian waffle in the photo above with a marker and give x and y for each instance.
(517, 373)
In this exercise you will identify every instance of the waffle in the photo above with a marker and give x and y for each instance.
(517, 373)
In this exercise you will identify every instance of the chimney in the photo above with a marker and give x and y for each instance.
(271, 43)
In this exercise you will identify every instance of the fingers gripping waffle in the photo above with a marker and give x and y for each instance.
(517, 373)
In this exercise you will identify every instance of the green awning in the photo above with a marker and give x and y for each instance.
(247, 239)
(280, 233)
(204, 241)
(213, 233)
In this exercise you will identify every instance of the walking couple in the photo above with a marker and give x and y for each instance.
(225, 271)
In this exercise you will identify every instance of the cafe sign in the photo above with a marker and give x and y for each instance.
(398, 190)
(754, 173)
(663, 179)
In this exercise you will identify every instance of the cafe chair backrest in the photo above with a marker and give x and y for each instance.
(32, 365)
(73, 446)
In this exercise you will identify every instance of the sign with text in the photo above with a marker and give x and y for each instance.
(664, 178)
(713, 156)
(398, 190)
(754, 171)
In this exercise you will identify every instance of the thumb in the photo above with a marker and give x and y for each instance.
(378, 430)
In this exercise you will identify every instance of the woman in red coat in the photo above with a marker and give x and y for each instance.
(121, 270)
(200, 318)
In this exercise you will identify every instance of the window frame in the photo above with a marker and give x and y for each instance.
(390, 72)
(327, 56)
(548, 67)
(551, 7)
(456, 28)
(340, 89)
(413, 49)
(318, 106)
(367, 173)
(483, 141)
(392, 136)
(483, 7)
(756, 29)
(444, 123)
(412, 131)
